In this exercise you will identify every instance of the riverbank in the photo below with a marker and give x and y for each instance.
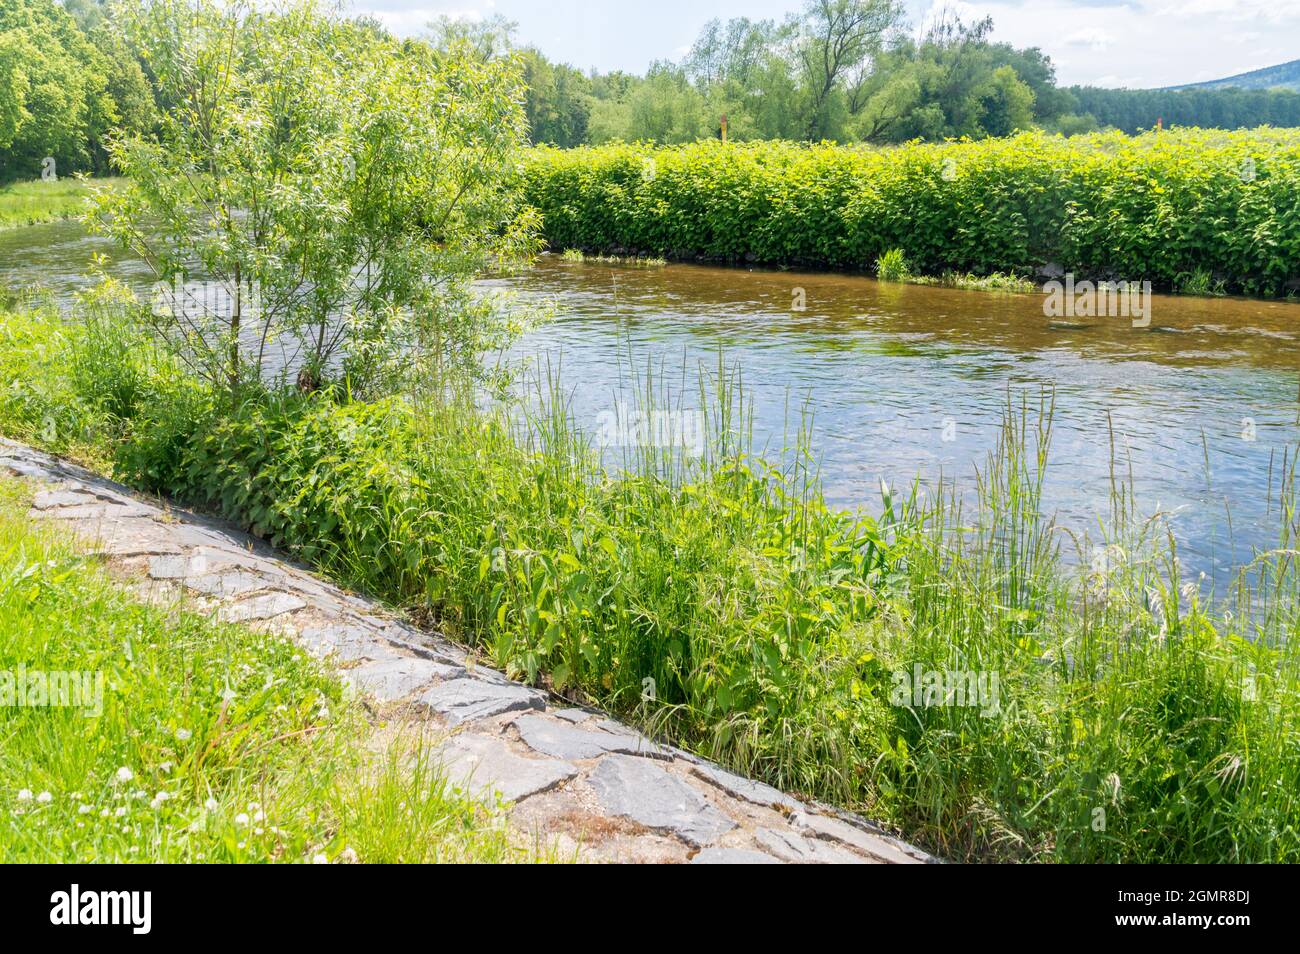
(146, 731)
(948, 677)
(486, 769)
(31, 203)
(1180, 209)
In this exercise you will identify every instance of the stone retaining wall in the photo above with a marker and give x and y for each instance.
(574, 776)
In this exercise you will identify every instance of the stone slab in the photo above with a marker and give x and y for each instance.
(389, 680)
(650, 795)
(261, 608)
(485, 764)
(468, 699)
(562, 740)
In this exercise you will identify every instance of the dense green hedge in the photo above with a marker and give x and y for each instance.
(1158, 207)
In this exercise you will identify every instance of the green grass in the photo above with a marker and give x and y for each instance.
(30, 203)
(1138, 720)
(996, 282)
(579, 257)
(212, 743)
(893, 267)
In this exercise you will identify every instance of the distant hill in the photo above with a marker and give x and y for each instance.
(1282, 76)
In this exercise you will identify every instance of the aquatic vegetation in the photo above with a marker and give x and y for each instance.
(639, 261)
(893, 267)
(1144, 208)
(1199, 282)
(997, 282)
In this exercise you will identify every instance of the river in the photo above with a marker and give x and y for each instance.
(905, 381)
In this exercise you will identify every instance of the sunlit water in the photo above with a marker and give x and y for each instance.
(907, 381)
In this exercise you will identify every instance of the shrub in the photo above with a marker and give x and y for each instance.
(1150, 207)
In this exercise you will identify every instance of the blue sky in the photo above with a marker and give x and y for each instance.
(1136, 43)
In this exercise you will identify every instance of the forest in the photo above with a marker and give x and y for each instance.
(837, 70)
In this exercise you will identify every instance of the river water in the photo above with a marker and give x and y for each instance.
(907, 381)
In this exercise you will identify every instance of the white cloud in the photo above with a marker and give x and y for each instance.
(1094, 38)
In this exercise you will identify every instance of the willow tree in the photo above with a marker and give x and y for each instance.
(343, 188)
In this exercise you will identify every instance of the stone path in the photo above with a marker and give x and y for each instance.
(575, 777)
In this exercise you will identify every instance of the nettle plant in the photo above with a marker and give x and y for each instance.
(338, 188)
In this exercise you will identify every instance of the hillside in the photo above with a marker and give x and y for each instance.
(1284, 75)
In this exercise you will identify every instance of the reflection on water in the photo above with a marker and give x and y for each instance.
(905, 380)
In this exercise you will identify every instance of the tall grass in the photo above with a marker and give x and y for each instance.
(206, 742)
(29, 203)
(719, 601)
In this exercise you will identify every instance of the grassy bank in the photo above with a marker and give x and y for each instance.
(30, 203)
(206, 742)
(942, 672)
(1176, 209)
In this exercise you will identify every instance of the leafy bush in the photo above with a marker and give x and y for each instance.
(1146, 208)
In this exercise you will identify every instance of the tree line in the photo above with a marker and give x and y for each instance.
(848, 71)
(841, 70)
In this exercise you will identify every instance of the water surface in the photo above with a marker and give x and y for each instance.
(906, 381)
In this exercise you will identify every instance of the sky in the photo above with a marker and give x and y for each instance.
(1136, 43)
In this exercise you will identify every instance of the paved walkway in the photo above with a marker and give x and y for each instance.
(575, 776)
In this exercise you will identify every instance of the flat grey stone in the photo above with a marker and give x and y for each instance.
(261, 608)
(49, 499)
(99, 511)
(652, 796)
(178, 566)
(572, 715)
(345, 642)
(484, 764)
(24, 468)
(392, 679)
(136, 538)
(793, 847)
(636, 743)
(227, 585)
(470, 698)
(564, 741)
(732, 856)
(877, 847)
(748, 790)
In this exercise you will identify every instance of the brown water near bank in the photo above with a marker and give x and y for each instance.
(904, 381)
